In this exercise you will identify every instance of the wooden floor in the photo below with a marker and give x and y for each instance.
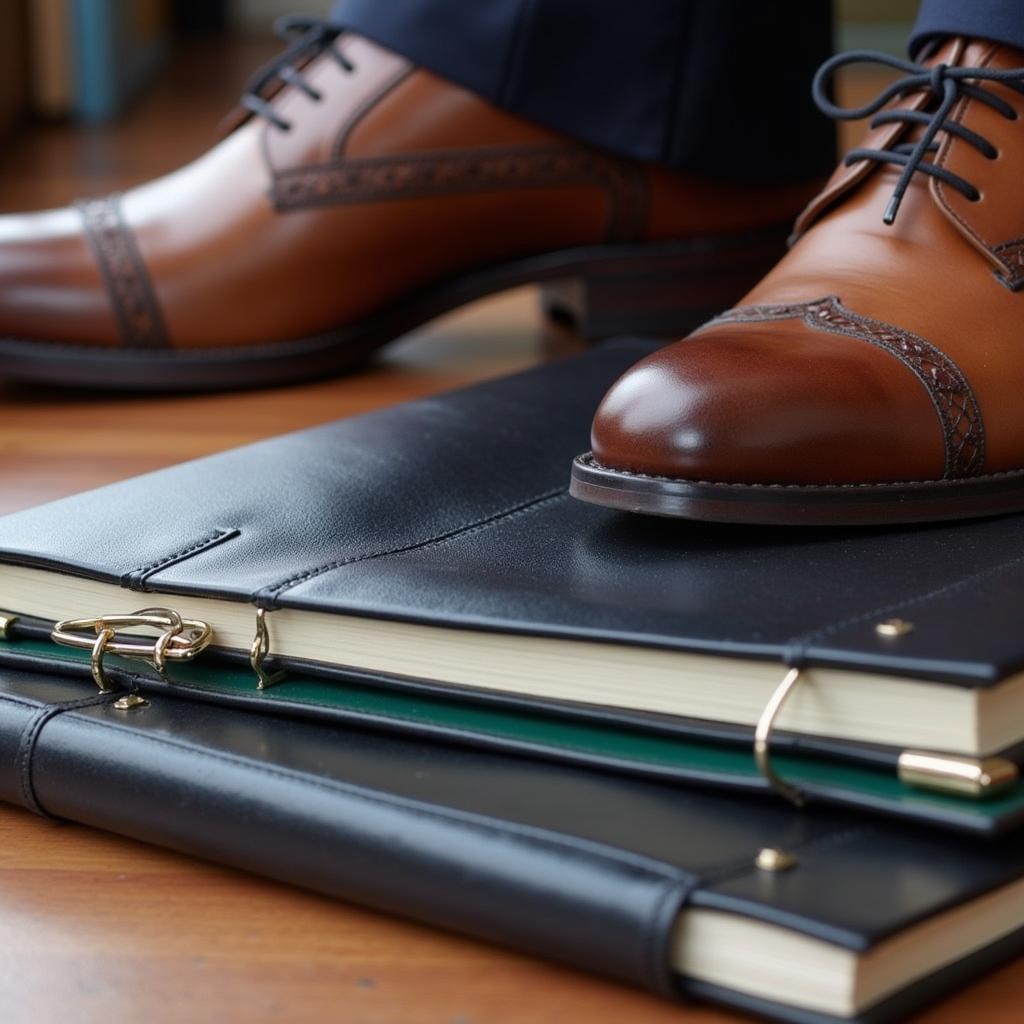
(94, 928)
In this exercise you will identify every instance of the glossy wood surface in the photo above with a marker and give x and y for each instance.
(94, 928)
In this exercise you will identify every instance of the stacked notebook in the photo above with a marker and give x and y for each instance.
(778, 769)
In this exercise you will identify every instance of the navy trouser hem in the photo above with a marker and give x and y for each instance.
(712, 87)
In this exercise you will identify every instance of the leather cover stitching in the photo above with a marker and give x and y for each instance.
(957, 407)
(353, 120)
(1005, 254)
(135, 579)
(826, 632)
(135, 305)
(273, 591)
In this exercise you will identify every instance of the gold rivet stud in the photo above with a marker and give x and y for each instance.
(894, 627)
(130, 702)
(772, 859)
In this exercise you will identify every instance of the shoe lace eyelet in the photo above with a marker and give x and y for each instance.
(938, 87)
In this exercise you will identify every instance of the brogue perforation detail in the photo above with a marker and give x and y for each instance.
(457, 172)
(958, 410)
(131, 292)
(1011, 256)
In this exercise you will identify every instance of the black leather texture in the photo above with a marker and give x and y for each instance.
(454, 510)
(565, 863)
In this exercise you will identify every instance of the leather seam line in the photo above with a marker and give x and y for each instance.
(271, 592)
(588, 459)
(472, 531)
(948, 588)
(538, 835)
(29, 738)
(135, 579)
(344, 133)
(954, 402)
(1011, 277)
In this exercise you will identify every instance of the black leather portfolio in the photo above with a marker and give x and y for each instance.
(798, 915)
(424, 569)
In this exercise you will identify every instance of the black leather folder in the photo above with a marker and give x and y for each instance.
(657, 885)
(423, 568)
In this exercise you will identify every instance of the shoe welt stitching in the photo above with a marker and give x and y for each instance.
(588, 461)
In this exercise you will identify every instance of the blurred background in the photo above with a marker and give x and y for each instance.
(100, 94)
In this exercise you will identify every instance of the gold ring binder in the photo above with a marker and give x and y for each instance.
(178, 639)
(259, 651)
(99, 648)
(763, 735)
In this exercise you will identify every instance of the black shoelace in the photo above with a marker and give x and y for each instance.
(946, 84)
(307, 37)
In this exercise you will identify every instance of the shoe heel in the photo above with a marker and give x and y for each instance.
(662, 290)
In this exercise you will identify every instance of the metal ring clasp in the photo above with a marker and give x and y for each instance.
(763, 735)
(177, 639)
(259, 651)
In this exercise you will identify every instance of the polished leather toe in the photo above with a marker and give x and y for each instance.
(774, 404)
(874, 375)
(50, 285)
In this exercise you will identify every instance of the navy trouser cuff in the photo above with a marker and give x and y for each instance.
(1001, 21)
(711, 87)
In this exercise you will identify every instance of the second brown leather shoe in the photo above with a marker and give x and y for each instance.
(876, 375)
(359, 199)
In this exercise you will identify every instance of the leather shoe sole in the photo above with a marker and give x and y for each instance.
(797, 505)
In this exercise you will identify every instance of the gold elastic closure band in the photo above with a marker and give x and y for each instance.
(763, 735)
(6, 621)
(976, 779)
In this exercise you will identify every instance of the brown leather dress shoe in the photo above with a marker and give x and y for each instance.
(877, 374)
(358, 197)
